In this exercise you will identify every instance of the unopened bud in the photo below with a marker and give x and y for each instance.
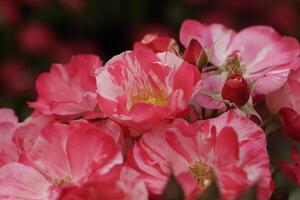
(236, 90)
(195, 54)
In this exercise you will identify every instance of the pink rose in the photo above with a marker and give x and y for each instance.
(230, 147)
(264, 56)
(140, 89)
(56, 155)
(68, 90)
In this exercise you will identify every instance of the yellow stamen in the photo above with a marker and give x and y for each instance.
(202, 173)
(61, 181)
(233, 65)
(159, 98)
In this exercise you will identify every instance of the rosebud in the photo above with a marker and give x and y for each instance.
(236, 90)
(195, 54)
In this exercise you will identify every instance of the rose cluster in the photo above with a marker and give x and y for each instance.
(161, 121)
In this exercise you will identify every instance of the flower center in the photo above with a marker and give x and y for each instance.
(233, 65)
(61, 181)
(159, 98)
(202, 173)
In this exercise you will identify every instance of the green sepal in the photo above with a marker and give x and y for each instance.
(172, 190)
(249, 194)
(215, 95)
(210, 193)
(249, 109)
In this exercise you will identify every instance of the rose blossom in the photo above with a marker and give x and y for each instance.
(58, 155)
(260, 53)
(68, 90)
(140, 89)
(230, 147)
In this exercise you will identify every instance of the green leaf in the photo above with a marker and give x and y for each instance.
(249, 194)
(210, 193)
(215, 95)
(248, 108)
(172, 190)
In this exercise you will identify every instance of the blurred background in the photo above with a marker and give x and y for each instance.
(36, 33)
